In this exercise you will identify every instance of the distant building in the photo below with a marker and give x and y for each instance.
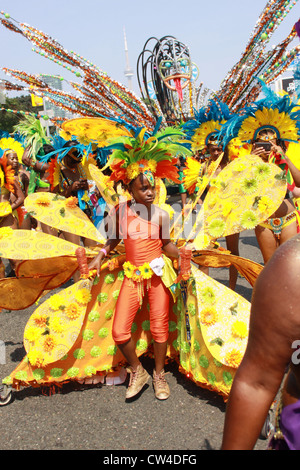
(2, 94)
(51, 109)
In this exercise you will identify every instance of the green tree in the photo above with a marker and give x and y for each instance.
(21, 103)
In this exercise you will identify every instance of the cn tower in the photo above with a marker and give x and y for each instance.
(128, 71)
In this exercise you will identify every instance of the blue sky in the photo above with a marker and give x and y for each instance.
(215, 31)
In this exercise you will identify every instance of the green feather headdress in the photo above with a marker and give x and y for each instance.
(33, 134)
(154, 156)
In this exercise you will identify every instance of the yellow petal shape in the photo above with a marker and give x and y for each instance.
(62, 339)
(92, 129)
(230, 307)
(230, 188)
(52, 210)
(28, 244)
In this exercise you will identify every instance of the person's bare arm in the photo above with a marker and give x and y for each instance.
(296, 192)
(97, 261)
(113, 229)
(274, 325)
(18, 198)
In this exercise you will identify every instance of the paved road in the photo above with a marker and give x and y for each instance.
(98, 418)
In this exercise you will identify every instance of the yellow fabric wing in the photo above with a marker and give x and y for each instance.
(218, 258)
(224, 319)
(106, 187)
(178, 225)
(60, 212)
(95, 130)
(55, 325)
(28, 244)
(245, 193)
(18, 294)
(293, 153)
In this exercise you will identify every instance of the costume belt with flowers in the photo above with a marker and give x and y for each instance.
(161, 266)
(139, 274)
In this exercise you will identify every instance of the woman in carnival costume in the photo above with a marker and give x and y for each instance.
(9, 189)
(70, 335)
(15, 161)
(202, 135)
(271, 127)
(69, 177)
(56, 165)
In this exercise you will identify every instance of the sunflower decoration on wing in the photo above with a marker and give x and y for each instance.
(272, 119)
(93, 130)
(200, 132)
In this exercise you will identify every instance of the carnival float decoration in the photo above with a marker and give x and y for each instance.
(167, 79)
(166, 74)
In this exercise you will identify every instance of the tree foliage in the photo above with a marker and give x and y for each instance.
(21, 103)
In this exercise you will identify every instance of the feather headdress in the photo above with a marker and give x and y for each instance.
(12, 144)
(206, 125)
(33, 134)
(154, 156)
(277, 113)
(81, 153)
(201, 131)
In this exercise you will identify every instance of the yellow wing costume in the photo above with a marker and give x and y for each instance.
(62, 213)
(69, 336)
(244, 194)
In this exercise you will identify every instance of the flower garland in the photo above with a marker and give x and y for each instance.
(137, 273)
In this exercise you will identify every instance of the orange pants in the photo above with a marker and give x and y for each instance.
(128, 305)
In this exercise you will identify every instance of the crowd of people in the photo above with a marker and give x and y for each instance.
(27, 175)
(149, 247)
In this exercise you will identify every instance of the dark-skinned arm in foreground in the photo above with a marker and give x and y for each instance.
(274, 326)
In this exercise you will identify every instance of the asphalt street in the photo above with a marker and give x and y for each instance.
(82, 417)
